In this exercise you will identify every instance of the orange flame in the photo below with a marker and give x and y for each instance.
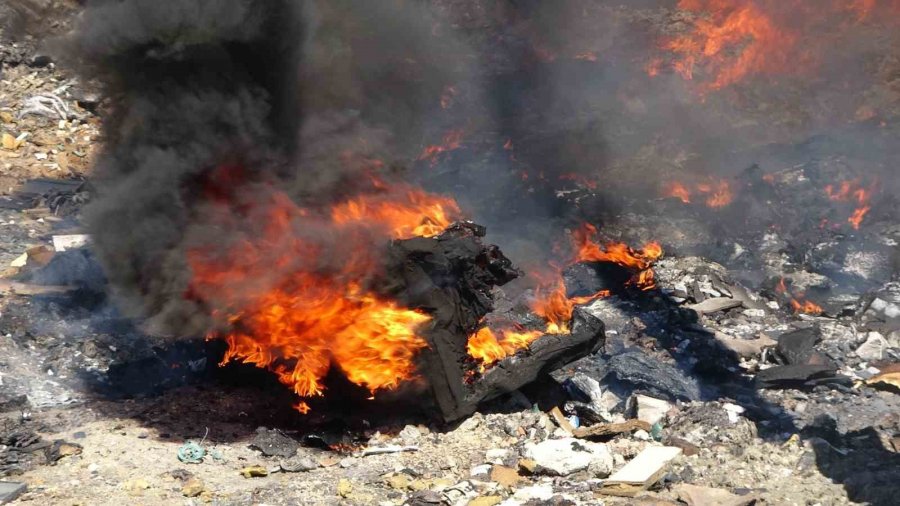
(718, 192)
(797, 303)
(452, 140)
(852, 191)
(678, 191)
(639, 261)
(488, 349)
(733, 39)
(292, 311)
(550, 300)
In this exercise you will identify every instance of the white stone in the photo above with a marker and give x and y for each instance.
(483, 469)
(496, 455)
(733, 411)
(64, 242)
(562, 457)
(536, 492)
(651, 410)
(873, 348)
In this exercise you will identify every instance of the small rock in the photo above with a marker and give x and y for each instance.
(397, 481)
(562, 457)
(344, 487)
(695, 495)
(649, 409)
(534, 493)
(273, 443)
(485, 500)
(715, 305)
(347, 462)
(496, 455)
(527, 465)
(480, 470)
(874, 347)
(733, 411)
(505, 476)
(642, 435)
(298, 464)
(410, 435)
(193, 487)
(470, 424)
(136, 484)
(254, 472)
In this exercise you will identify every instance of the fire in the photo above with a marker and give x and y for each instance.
(452, 140)
(297, 313)
(734, 39)
(550, 300)
(852, 191)
(798, 304)
(638, 261)
(421, 214)
(678, 191)
(487, 348)
(717, 193)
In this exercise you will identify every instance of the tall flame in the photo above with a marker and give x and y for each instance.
(286, 310)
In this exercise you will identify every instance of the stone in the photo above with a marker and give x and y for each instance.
(193, 487)
(298, 464)
(344, 487)
(496, 455)
(397, 481)
(733, 411)
(10, 490)
(409, 435)
(562, 457)
(485, 500)
(715, 305)
(694, 495)
(254, 472)
(649, 409)
(505, 476)
(534, 493)
(273, 443)
(480, 470)
(873, 348)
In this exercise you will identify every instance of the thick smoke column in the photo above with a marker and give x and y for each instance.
(224, 101)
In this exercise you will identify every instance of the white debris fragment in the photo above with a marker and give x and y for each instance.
(562, 457)
(733, 411)
(73, 241)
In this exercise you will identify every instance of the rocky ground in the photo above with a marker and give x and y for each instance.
(763, 404)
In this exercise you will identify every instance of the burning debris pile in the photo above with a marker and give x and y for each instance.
(449, 206)
(282, 226)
